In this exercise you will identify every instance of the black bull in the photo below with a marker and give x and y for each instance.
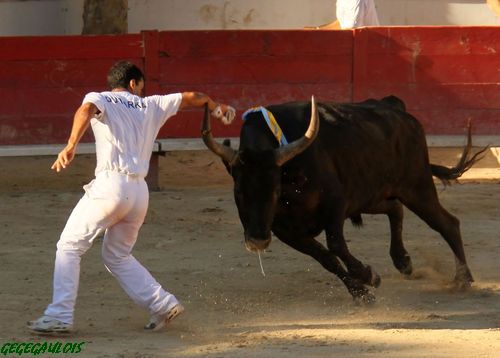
(368, 157)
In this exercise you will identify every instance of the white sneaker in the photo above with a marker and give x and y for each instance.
(158, 321)
(46, 324)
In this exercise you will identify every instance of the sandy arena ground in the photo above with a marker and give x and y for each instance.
(192, 243)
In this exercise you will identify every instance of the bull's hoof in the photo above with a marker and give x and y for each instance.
(376, 280)
(463, 279)
(361, 295)
(366, 299)
(367, 276)
(407, 271)
(404, 265)
(461, 285)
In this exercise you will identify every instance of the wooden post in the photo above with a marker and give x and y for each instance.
(153, 177)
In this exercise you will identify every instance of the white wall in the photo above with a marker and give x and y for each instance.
(224, 14)
(41, 17)
(435, 12)
(60, 17)
(290, 14)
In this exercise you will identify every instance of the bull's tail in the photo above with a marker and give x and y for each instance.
(446, 175)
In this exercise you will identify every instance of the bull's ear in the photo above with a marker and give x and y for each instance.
(227, 143)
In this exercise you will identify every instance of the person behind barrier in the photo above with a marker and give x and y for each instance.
(352, 14)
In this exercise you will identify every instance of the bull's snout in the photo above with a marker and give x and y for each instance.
(254, 245)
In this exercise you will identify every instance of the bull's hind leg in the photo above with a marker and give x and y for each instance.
(394, 211)
(424, 202)
(316, 250)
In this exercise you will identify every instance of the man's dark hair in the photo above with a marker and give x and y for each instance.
(122, 72)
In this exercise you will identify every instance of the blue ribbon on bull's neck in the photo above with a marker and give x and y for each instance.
(271, 123)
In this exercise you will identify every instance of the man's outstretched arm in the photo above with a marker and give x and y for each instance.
(197, 99)
(81, 122)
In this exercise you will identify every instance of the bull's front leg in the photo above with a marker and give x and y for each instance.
(334, 229)
(316, 250)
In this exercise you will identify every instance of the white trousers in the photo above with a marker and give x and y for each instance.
(116, 204)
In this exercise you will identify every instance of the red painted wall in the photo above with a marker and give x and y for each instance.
(250, 68)
(43, 81)
(445, 75)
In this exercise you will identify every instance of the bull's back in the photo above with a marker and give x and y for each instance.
(379, 123)
(371, 148)
(375, 150)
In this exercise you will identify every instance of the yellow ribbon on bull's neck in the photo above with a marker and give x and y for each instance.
(271, 123)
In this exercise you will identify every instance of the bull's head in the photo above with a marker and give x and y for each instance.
(257, 179)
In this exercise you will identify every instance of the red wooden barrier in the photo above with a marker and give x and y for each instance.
(249, 68)
(43, 81)
(445, 75)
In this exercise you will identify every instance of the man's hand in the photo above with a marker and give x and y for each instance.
(64, 158)
(81, 122)
(224, 113)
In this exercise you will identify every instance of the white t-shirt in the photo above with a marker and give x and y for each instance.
(126, 128)
(356, 13)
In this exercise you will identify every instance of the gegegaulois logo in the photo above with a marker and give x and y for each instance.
(41, 348)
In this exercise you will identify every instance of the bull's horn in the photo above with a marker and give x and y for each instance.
(226, 153)
(284, 154)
